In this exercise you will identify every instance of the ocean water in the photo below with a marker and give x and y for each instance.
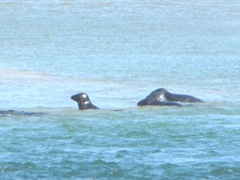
(118, 52)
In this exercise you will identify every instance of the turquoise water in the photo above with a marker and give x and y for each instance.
(118, 52)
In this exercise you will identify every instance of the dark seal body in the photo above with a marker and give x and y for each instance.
(151, 101)
(161, 97)
(18, 113)
(9, 113)
(176, 97)
(83, 101)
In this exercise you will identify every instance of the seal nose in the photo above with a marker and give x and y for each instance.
(142, 103)
(75, 97)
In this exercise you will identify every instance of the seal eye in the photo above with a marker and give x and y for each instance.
(83, 96)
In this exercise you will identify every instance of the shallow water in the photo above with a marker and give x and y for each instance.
(118, 52)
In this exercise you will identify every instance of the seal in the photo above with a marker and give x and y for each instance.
(18, 113)
(161, 97)
(9, 113)
(83, 101)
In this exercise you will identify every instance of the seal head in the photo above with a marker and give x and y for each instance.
(83, 101)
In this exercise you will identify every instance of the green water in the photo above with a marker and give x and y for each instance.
(131, 144)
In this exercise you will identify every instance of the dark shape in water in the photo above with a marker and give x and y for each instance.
(18, 113)
(8, 113)
(83, 101)
(161, 97)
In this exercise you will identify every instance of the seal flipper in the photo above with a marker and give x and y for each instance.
(83, 101)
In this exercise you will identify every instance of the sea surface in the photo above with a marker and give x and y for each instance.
(118, 52)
